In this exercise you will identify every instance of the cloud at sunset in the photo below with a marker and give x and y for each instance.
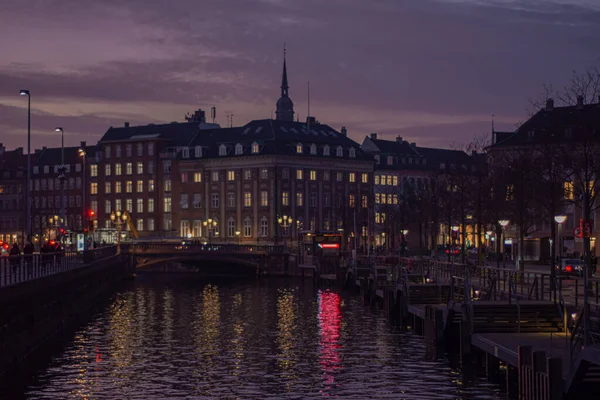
(431, 71)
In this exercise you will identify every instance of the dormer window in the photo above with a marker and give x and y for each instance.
(340, 151)
(390, 160)
(299, 148)
(222, 150)
(313, 149)
(326, 150)
(239, 149)
(185, 152)
(352, 152)
(198, 152)
(377, 159)
(255, 148)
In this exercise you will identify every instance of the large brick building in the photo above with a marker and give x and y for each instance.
(12, 195)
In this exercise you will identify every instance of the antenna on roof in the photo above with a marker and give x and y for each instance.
(213, 113)
(493, 129)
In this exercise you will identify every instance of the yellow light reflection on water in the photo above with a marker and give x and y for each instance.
(286, 331)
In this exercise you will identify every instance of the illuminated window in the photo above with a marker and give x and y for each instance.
(247, 199)
(150, 205)
(299, 199)
(351, 201)
(184, 177)
(93, 170)
(351, 177)
(285, 198)
(107, 187)
(197, 177)
(140, 168)
(129, 187)
(365, 178)
(264, 198)
(299, 174)
(117, 187)
(510, 192)
(94, 188)
(364, 202)
(168, 185)
(117, 169)
(107, 170)
(167, 205)
(313, 175)
(255, 148)
(129, 168)
(299, 148)
(377, 179)
(231, 175)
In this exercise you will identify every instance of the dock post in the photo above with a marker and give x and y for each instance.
(525, 362)
(540, 377)
(555, 380)
(439, 333)
(492, 364)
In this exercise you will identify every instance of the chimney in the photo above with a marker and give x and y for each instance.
(580, 102)
(413, 145)
(344, 131)
(373, 136)
(126, 124)
(550, 104)
(82, 145)
(399, 139)
(311, 121)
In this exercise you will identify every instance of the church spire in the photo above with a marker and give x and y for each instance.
(285, 106)
(284, 82)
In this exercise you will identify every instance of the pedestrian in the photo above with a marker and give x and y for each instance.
(28, 255)
(15, 258)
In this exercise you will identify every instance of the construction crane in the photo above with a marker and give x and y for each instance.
(130, 223)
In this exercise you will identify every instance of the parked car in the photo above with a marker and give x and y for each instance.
(570, 267)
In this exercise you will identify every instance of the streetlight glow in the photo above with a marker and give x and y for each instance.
(58, 129)
(24, 92)
(503, 222)
(560, 218)
(455, 228)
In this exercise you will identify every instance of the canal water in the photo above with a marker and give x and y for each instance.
(178, 336)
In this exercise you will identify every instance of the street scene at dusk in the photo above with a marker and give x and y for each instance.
(251, 199)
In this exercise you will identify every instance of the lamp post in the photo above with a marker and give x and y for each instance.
(210, 225)
(238, 233)
(559, 219)
(285, 222)
(62, 174)
(118, 217)
(26, 92)
(503, 223)
(454, 235)
(52, 222)
(82, 154)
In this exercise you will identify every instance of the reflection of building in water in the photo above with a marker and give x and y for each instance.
(124, 341)
(168, 316)
(330, 319)
(208, 325)
(237, 341)
(286, 329)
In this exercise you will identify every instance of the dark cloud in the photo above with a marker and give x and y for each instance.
(415, 66)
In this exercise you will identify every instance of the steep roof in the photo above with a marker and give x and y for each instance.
(395, 147)
(53, 155)
(277, 137)
(177, 133)
(554, 125)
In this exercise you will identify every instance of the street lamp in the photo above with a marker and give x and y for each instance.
(285, 222)
(26, 92)
(62, 172)
(82, 154)
(118, 217)
(503, 223)
(211, 225)
(238, 233)
(559, 219)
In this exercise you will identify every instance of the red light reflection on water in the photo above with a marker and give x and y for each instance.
(330, 319)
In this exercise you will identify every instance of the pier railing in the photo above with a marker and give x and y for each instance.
(494, 283)
(22, 268)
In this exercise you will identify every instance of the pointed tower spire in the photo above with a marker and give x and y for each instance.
(284, 82)
(285, 106)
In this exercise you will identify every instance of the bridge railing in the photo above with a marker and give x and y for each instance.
(161, 248)
(22, 268)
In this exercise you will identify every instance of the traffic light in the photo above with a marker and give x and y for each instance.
(91, 214)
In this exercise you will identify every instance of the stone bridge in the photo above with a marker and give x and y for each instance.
(261, 260)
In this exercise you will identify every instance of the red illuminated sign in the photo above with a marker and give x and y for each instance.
(329, 245)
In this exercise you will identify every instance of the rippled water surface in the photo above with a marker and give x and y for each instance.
(184, 337)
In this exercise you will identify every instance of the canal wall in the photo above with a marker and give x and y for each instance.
(35, 312)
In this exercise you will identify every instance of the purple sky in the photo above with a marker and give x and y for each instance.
(433, 71)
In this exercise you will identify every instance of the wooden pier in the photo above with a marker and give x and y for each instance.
(511, 323)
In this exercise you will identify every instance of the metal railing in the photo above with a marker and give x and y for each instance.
(160, 248)
(23, 268)
(513, 296)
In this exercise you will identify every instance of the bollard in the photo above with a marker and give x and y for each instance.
(525, 362)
